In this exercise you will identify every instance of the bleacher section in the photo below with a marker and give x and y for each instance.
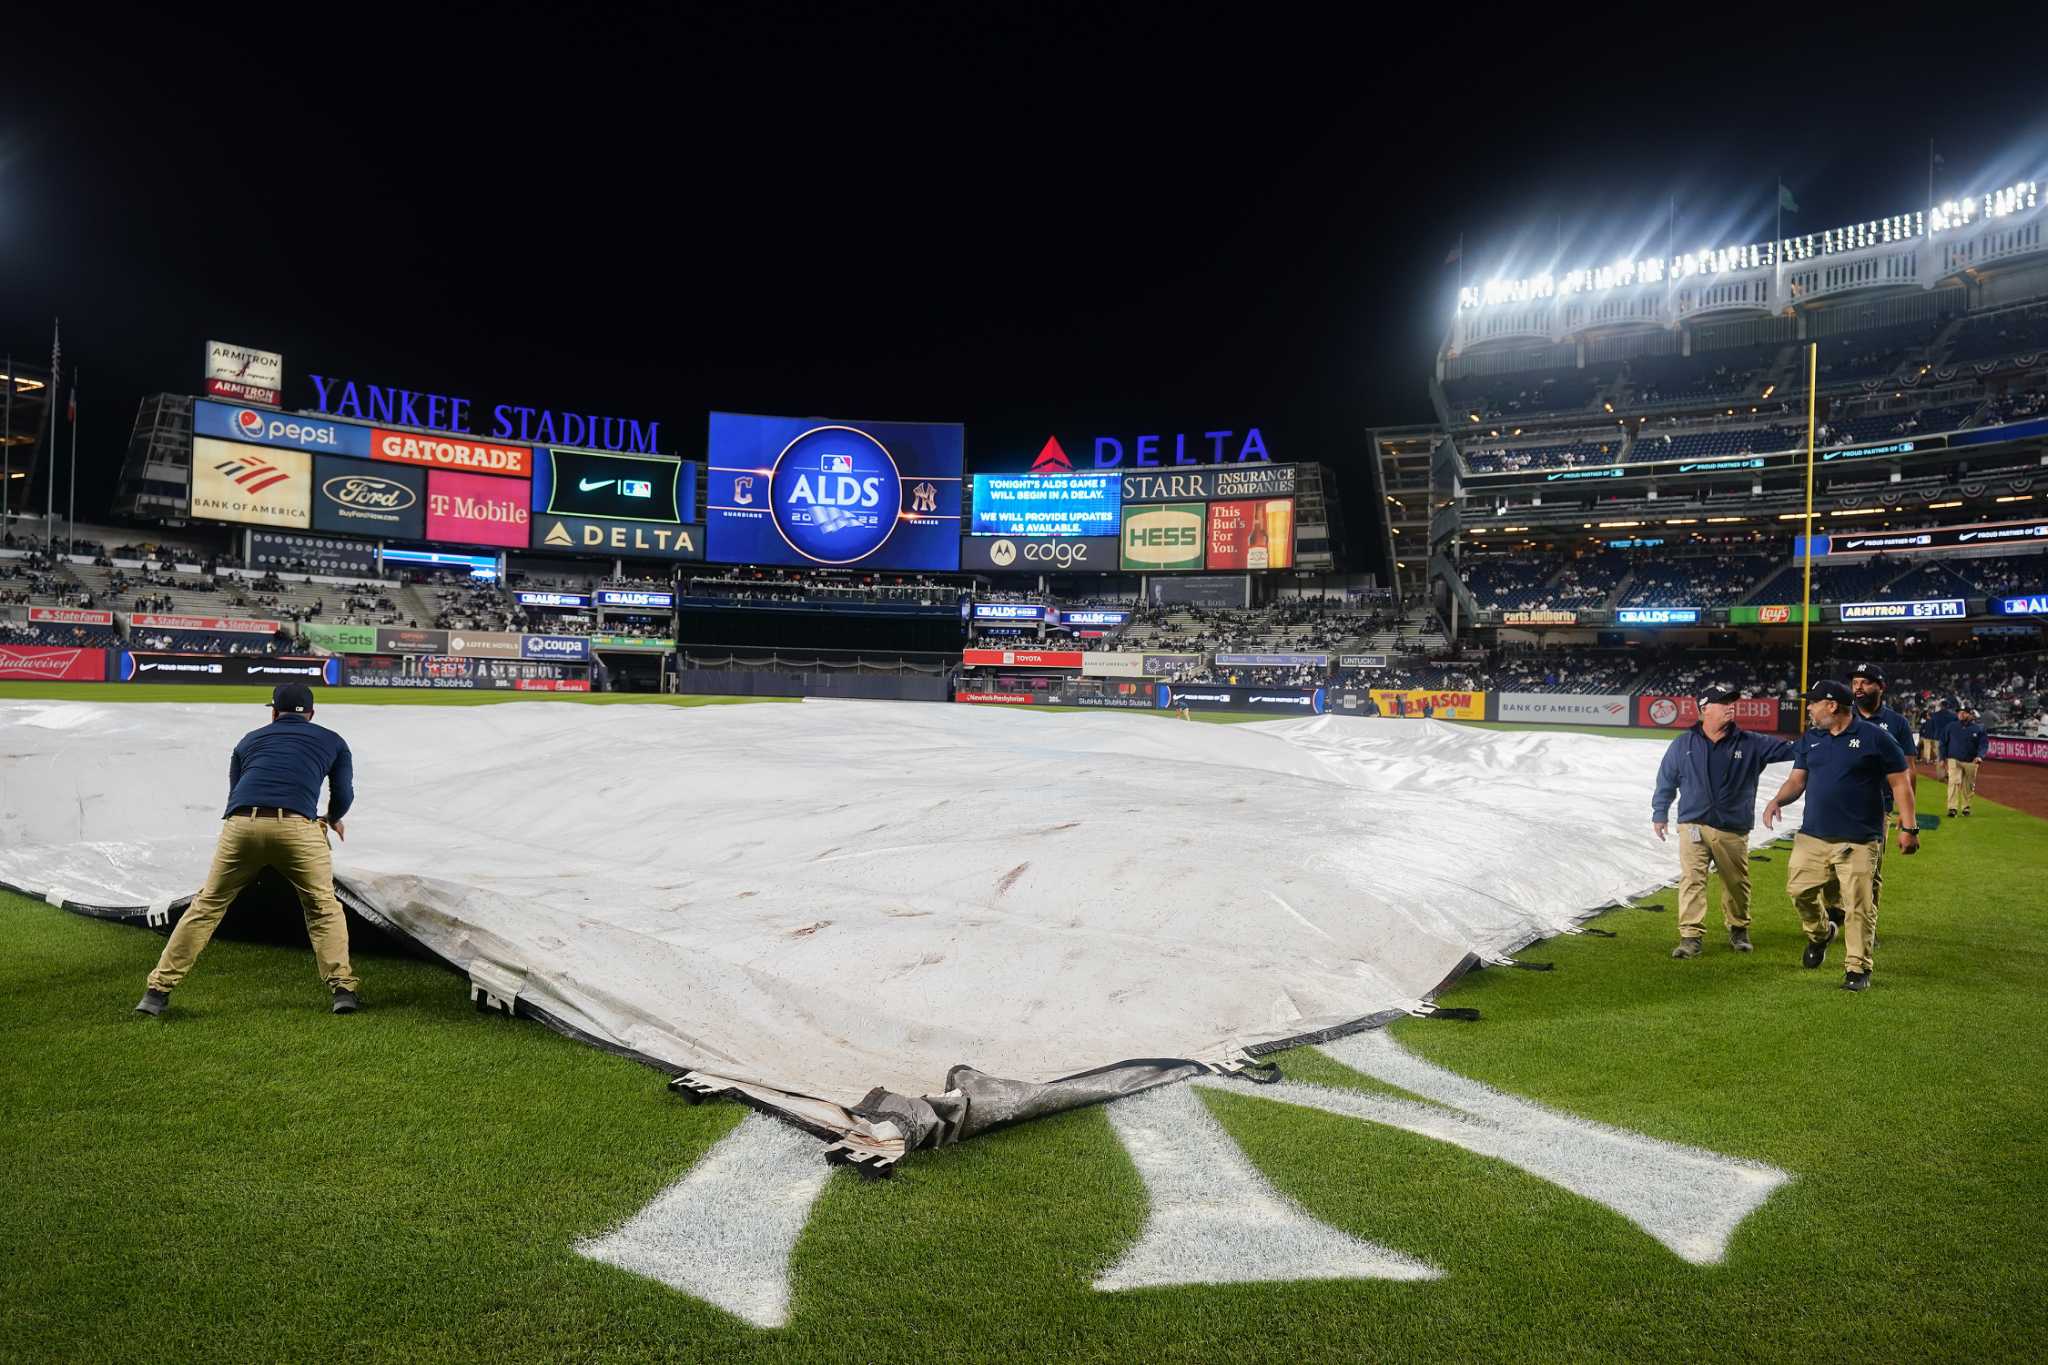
(1715, 581)
(1673, 443)
(1992, 337)
(1706, 379)
(1597, 450)
(1527, 392)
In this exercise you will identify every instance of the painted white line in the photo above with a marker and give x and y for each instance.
(724, 1232)
(1215, 1220)
(1689, 1199)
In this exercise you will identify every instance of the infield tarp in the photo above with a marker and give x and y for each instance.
(812, 904)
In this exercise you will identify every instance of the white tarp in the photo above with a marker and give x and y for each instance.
(824, 898)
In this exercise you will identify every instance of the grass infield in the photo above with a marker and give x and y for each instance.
(251, 1178)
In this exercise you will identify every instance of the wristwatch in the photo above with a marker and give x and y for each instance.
(1909, 829)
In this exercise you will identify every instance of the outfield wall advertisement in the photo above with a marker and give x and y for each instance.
(70, 616)
(1440, 704)
(267, 669)
(1676, 713)
(219, 625)
(1285, 701)
(2017, 749)
(240, 483)
(1553, 709)
(52, 663)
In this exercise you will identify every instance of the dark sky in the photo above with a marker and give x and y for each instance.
(1036, 219)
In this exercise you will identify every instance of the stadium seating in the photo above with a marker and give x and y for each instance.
(61, 636)
(1706, 378)
(1884, 426)
(1998, 336)
(1871, 354)
(1831, 583)
(1679, 444)
(1588, 451)
(1587, 581)
(1526, 392)
(1715, 581)
(1508, 584)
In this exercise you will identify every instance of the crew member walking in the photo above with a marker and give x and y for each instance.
(1842, 766)
(1935, 731)
(1963, 747)
(274, 782)
(1713, 769)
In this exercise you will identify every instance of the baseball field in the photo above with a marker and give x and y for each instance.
(251, 1178)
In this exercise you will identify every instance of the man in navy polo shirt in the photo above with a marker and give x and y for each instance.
(1713, 768)
(1866, 682)
(1842, 766)
(1936, 730)
(1963, 746)
(274, 781)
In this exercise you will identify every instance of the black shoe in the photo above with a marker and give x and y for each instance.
(153, 1001)
(1687, 947)
(1966, 815)
(345, 1002)
(1738, 939)
(1815, 952)
(1951, 812)
(1855, 981)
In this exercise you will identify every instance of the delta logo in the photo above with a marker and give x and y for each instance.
(251, 472)
(1052, 458)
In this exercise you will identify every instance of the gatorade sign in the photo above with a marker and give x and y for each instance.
(1168, 537)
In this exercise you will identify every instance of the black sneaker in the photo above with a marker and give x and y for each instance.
(153, 1002)
(1815, 952)
(1951, 812)
(1855, 981)
(1687, 947)
(1738, 939)
(1835, 917)
(345, 1002)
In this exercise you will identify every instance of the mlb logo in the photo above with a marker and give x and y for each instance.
(636, 488)
(835, 464)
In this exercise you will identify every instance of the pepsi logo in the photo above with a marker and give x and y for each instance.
(249, 423)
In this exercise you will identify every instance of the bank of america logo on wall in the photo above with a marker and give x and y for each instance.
(252, 472)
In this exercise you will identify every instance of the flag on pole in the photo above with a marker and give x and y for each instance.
(56, 352)
(1457, 253)
(71, 408)
(1785, 200)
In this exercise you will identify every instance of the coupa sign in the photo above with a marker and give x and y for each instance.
(553, 647)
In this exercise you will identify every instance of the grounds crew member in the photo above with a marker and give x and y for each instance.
(274, 782)
(1842, 766)
(1936, 730)
(1963, 747)
(1868, 685)
(1713, 767)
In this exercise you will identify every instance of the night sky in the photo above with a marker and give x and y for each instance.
(1035, 219)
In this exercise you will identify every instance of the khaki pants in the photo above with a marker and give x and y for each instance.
(1848, 870)
(1930, 751)
(1962, 784)
(1729, 853)
(248, 844)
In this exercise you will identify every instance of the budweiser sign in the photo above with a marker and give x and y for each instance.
(232, 625)
(43, 663)
(71, 616)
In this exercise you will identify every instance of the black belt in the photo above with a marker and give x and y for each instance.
(268, 813)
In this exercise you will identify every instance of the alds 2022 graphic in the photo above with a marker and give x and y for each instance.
(797, 491)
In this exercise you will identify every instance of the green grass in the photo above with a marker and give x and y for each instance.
(341, 696)
(251, 1178)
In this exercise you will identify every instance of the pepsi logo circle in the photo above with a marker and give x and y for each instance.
(249, 423)
(835, 494)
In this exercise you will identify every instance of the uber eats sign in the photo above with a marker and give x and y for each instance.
(1169, 536)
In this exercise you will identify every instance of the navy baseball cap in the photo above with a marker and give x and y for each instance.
(291, 697)
(1827, 689)
(1718, 692)
(1868, 671)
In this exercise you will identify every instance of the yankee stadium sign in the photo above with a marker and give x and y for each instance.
(508, 421)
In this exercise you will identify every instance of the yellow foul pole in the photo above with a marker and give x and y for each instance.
(1806, 593)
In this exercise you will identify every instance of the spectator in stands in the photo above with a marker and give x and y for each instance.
(1713, 768)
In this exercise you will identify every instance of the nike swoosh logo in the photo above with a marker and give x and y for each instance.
(587, 486)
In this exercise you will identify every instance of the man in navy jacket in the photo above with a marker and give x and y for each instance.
(1713, 768)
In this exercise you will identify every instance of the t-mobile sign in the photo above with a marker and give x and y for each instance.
(477, 509)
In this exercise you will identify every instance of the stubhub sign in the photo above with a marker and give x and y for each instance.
(263, 427)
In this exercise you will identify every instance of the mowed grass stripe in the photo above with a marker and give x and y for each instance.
(254, 1179)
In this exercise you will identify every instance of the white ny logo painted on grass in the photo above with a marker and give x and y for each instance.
(724, 1232)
